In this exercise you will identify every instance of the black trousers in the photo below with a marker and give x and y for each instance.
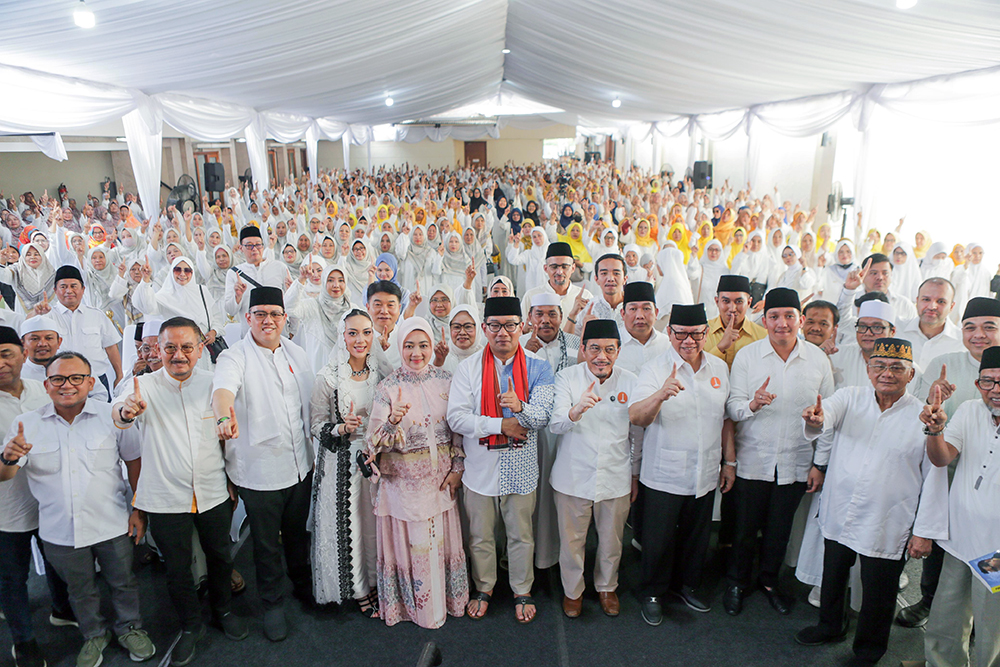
(172, 533)
(931, 572)
(880, 580)
(675, 535)
(278, 519)
(767, 507)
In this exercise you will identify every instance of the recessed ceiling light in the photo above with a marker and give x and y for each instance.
(83, 17)
(905, 4)
(389, 101)
(616, 103)
(505, 51)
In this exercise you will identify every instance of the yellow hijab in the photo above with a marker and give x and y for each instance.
(920, 250)
(684, 244)
(736, 247)
(704, 240)
(577, 245)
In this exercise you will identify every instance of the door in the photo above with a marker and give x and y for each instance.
(272, 166)
(200, 158)
(293, 165)
(475, 154)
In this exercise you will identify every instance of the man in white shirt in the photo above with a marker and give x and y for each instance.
(590, 475)
(70, 454)
(820, 321)
(609, 274)
(257, 271)
(771, 383)
(85, 329)
(960, 601)
(182, 487)
(19, 519)
(850, 363)
(874, 276)
(680, 399)
(263, 385)
(559, 265)
(501, 451)
(641, 342)
(932, 332)
(560, 349)
(41, 339)
(882, 497)
(384, 305)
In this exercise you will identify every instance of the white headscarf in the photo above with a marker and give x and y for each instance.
(175, 299)
(331, 310)
(477, 343)
(906, 276)
(711, 271)
(675, 286)
(754, 265)
(29, 283)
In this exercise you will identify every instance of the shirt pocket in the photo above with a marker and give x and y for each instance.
(91, 337)
(45, 462)
(671, 463)
(102, 453)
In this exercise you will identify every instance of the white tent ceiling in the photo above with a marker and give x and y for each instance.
(340, 59)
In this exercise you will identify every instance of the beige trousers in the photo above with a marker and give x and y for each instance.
(958, 601)
(574, 521)
(515, 511)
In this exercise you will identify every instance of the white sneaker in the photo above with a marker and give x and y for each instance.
(814, 596)
(904, 581)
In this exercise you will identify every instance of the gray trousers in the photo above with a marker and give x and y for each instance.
(958, 601)
(76, 568)
(515, 511)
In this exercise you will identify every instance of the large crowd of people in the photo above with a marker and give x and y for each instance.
(404, 379)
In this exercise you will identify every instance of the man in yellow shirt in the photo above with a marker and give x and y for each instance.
(731, 331)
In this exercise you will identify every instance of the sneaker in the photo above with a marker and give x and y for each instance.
(234, 627)
(183, 651)
(814, 596)
(27, 654)
(904, 581)
(92, 653)
(63, 619)
(138, 645)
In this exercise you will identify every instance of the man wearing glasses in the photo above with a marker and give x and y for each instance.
(257, 271)
(850, 363)
(559, 265)
(687, 451)
(499, 399)
(260, 399)
(882, 497)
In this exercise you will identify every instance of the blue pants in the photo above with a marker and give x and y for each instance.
(15, 565)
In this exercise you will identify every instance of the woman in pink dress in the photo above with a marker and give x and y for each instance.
(421, 562)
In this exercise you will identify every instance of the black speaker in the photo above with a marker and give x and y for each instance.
(702, 175)
(215, 177)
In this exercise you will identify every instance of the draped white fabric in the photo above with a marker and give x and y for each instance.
(411, 134)
(144, 135)
(51, 144)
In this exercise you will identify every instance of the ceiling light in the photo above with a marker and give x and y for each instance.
(616, 103)
(121, 139)
(905, 4)
(505, 51)
(83, 17)
(389, 101)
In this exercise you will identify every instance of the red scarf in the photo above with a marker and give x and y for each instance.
(490, 401)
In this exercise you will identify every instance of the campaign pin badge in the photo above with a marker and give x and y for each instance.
(716, 383)
(622, 397)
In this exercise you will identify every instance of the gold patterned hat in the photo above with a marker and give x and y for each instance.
(893, 348)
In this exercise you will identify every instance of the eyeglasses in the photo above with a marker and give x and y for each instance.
(170, 349)
(263, 315)
(877, 329)
(467, 328)
(253, 246)
(895, 369)
(987, 384)
(441, 300)
(694, 335)
(181, 269)
(59, 380)
(560, 267)
(509, 327)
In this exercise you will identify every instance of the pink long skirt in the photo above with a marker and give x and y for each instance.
(422, 574)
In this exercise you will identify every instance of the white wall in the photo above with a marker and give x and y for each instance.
(82, 173)
(728, 160)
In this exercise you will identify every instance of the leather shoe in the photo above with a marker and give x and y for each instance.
(687, 596)
(732, 600)
(609, 603)
(572, 607)
(652, 611)
(781, 603)
(275, 624)
(914, 616)
(818, 635)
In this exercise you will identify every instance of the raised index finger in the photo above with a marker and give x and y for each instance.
(944, 372)
(763, 387)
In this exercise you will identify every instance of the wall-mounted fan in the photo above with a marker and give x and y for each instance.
(184, 196)
(836, 206)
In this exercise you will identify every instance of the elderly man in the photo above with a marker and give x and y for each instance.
(882, 496)
(559, 265)
(932, 332)
(960, 601)
(70, 452)
(772, 381)
(731, 331)
(262, 388)
(681, 401)
(955, 374)
(850, 363)
(499, 399)
(875, 275)
(182, 487)
(560, 349)
(590, 475)
(256, 272)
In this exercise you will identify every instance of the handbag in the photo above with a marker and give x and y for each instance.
(216, 347)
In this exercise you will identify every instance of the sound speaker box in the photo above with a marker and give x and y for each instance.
(702, 175)
(215, 177)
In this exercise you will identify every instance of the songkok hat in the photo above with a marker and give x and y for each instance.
(8, 336)
(601, 329)
(559, 249)
(249, 230)
(151, 328)
(991, 358)
(981, 306)
(782, 297)
(39, 323)
(266, 296)
(639, 291)
(68, 272)
(546, 299)
(734, 283)
(874, 295)
(688, 316)
(501, 305)
(893, 348)
(137, 336)
(880, 310)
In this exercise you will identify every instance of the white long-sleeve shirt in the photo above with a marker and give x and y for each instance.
(770, 443)
(880, 487)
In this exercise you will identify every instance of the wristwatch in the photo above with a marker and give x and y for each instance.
(3, 459)
(731, 464)
(822, 469)
(928, 431)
